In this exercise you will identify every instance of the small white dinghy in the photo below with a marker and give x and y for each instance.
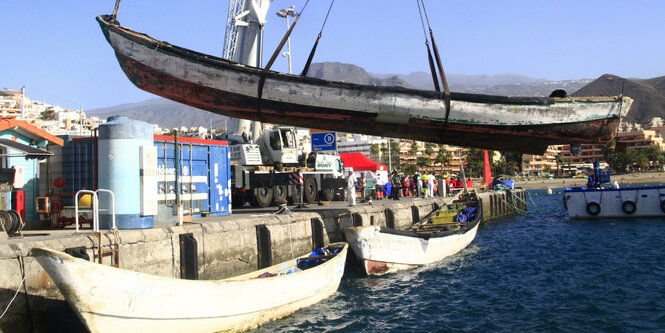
(109, 299)
(383, 250)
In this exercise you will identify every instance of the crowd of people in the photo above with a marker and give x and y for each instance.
(417, 185)
(401, 185)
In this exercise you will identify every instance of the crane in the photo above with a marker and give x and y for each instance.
(243, 44)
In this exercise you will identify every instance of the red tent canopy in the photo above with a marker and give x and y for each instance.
(360, 162)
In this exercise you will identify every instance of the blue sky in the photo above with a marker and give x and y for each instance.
(56, 49)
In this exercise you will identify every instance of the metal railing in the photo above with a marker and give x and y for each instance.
(95, 208)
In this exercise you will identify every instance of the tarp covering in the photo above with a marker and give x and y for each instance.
(360, 162)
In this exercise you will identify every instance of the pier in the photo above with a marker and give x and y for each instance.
(211, 248)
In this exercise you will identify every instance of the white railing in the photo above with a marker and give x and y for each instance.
(95, 208)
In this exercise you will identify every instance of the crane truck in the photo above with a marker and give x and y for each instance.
(267, 166)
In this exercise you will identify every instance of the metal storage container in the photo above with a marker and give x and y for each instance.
(203, 174)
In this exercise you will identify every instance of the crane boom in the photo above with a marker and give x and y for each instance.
(243, 43)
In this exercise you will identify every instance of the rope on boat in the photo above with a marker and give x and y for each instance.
(262, 78)
(21, 261)
(115, 10)
(446, 89)
(311, 53)
(432, 70)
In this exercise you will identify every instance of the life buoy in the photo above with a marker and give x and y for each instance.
(628, 207)
(593, 208)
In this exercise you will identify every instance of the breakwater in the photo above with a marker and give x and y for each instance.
(224, 247)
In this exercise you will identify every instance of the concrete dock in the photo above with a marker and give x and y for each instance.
(225, 246)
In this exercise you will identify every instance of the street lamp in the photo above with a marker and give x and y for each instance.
(285, 13)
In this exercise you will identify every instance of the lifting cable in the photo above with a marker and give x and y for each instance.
(262, 79)
(429, 53)
(446, 90)
(114, 16)
(311, 53)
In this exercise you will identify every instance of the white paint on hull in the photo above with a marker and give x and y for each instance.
(390, 106)
(648, 201)
(109, 299)
(403, 252)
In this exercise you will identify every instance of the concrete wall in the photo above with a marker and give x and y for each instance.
(227, 246)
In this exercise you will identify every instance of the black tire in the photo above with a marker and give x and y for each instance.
(263, 196)
(279, 194)
(593, 208)
(628, 207)
(328, 194)
(294, 196)
(565, 202)
(662, 206)
(310, 190)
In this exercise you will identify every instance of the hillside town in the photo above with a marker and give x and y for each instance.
(642, 145)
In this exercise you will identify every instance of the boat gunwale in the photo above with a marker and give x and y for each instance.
(440, 234)
(609, 189)
(217, 62)
(46, 252)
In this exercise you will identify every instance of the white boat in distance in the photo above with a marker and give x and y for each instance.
(383, 250)
(109, 299)
(590, 203)
(505, 123)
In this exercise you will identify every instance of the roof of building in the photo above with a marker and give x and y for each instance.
(28, 130)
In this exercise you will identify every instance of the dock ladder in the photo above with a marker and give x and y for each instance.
(114, 245)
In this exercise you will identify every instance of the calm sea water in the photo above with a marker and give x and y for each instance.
(535, 272)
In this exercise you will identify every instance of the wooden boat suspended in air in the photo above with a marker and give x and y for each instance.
(109, 299)
(518, 124)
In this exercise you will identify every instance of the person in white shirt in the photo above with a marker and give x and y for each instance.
(430, 185)
(351, 188)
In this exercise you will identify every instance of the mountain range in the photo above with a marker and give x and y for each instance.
(649, 94)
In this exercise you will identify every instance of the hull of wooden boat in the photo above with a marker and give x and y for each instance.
(647, 201)
(382, 252)
(503, 123)
(109, 299)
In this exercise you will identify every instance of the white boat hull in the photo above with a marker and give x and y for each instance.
(109, 299)
(646, 201)
(383, 253)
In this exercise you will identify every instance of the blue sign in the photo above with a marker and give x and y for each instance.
(324, 141)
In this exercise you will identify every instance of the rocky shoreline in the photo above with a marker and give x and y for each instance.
(624, 179)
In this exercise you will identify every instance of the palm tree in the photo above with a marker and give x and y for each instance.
(444, 157)
(559, 159)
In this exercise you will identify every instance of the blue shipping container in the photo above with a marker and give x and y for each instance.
(203, 173)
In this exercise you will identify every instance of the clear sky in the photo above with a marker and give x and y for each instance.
(56, 49)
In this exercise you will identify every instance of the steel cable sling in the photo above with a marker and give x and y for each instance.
(446, 90)
(262, 78)
(311, 53)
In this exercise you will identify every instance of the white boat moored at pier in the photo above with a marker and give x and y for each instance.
(109, 299)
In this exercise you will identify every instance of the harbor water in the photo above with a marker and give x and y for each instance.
(536, 272)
